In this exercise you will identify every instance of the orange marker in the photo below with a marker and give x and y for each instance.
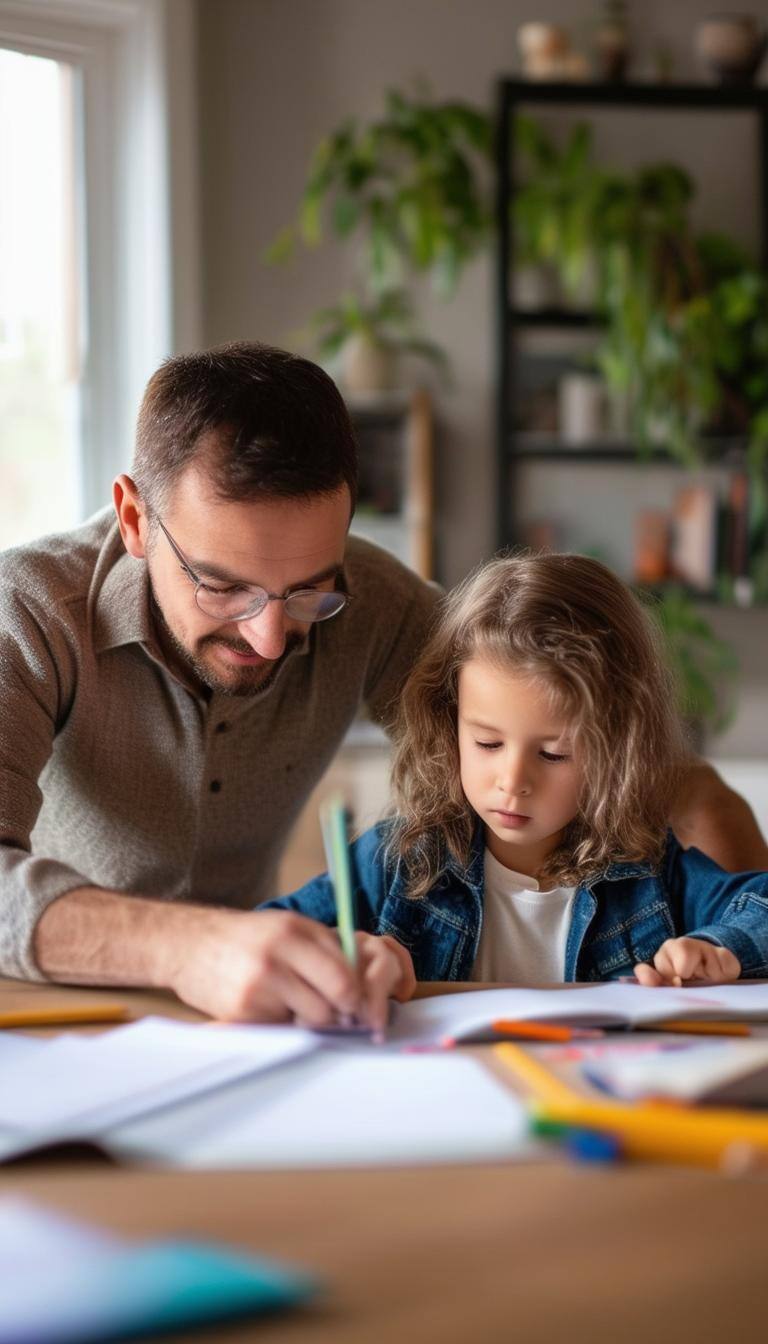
(543, 1031)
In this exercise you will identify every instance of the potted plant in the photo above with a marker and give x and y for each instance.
(370, 337)
(412, 190)
(684, 342)
(704, 666)
(555, 209)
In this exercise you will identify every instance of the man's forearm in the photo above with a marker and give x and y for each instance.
(236, 965)
(718, 821)
(95, 937)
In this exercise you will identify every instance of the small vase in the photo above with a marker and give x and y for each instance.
(367, 365)
(732, 45)
(611, 42)
(581, 407)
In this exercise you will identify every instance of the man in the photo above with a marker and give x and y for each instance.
(175, 680)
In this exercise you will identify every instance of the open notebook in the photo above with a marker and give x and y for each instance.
(450, 1018)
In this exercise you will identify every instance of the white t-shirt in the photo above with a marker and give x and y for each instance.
(525, 929)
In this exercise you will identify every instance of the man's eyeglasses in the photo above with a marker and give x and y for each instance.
(242, 601)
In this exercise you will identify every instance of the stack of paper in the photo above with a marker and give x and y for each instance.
(82, 1084)
(342, 1108)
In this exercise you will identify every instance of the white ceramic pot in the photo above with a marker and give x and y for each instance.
(581, 406)
(367, 366)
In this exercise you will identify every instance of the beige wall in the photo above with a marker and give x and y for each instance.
(277, 74)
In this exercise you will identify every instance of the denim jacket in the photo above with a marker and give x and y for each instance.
(620, 917)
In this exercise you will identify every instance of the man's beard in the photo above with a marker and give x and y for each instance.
(249, 681)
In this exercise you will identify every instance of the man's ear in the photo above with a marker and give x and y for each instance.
(131, 516)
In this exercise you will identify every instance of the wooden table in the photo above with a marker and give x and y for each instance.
(533, 1253)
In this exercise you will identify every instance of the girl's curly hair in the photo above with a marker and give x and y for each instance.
(569, 623)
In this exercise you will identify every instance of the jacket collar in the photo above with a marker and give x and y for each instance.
(474, 872)
(617, 872)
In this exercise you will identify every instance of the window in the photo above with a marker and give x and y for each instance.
(40, 300)
(99, 268)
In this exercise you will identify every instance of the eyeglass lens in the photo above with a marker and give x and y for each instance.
(306, 605)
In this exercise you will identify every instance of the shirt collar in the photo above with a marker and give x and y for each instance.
(122, 607)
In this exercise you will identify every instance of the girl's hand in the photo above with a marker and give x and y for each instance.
(680, 959)
(386, 972)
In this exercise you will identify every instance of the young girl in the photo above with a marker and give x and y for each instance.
(537, 756)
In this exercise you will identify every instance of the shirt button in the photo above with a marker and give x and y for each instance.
(222, 727)
(215, 786)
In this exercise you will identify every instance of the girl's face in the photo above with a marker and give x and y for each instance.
(517, 767)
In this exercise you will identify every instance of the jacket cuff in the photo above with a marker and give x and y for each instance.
(750, 956)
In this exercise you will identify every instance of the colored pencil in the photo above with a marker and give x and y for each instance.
(333, 823)
(63, 1016)
(661, 1131)
(702, 1028)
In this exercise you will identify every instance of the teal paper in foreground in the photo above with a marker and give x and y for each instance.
(109, 1289)
(333, 823)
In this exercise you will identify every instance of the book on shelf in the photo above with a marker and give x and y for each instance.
(694, 537)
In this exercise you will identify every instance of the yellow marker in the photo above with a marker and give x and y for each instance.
(667, 1132)
(63, 1016)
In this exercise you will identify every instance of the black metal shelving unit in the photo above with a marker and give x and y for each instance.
(515, 446)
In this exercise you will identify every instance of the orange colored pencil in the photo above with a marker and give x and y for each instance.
(542, 1031)
(63, 1016)
(698, 1028)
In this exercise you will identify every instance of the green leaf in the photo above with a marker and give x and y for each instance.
(282, 248)
(346, 215)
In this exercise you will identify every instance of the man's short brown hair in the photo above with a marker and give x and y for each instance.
(278, 426)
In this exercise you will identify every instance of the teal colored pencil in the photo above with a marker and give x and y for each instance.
(333, 823)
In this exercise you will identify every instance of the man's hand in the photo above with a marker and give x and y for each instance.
(680, 959)
(279, 966)
(385, 972)
(273, 966)
(235, 965)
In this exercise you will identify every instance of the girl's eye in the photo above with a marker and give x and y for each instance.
(552, 756)
(488, 746)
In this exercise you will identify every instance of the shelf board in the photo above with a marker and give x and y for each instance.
(588, 452)
(554, 317)
(704, 97)
(531, 447)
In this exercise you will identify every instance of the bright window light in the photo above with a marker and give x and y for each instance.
(41, 299)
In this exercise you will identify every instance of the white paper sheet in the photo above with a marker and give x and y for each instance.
(344, 1108)
(456, 1016)
(80, 1084)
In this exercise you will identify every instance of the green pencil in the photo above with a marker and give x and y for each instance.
(333, 823)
